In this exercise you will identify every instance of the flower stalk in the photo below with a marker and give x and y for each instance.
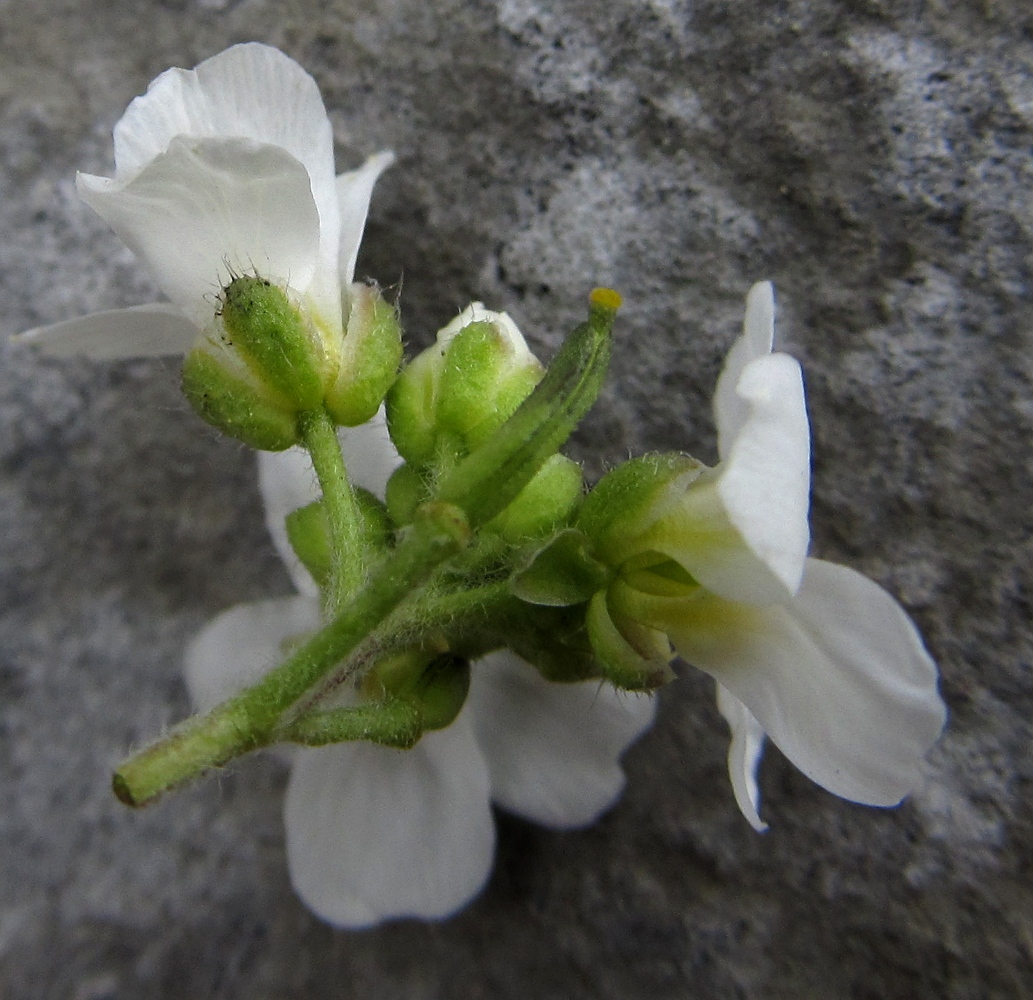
(319, 436)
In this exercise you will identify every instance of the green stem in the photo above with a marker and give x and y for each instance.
(319, 436)
(249, 720)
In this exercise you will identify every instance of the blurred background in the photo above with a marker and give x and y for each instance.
(872, 157)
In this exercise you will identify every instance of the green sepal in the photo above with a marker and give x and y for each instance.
(486, 481)
(308, 531)
(560, 573)
(412, 406)
(276, 342)
(631, 497)
(632, 656)
(224, 394)
(547, 501)
(371, 353)
(376, 524)
(309, 535)
(437, 683)
(429, 700)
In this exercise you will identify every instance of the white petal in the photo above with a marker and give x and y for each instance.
(758, 335)
(249, 91)
(553, 749)
(838, 678)
(354, 191)
(288, 481)
(208, 209)
(241, 645)
(742, 529)
(375, 833)
(765, 481)
(744, 753)
(148, 331)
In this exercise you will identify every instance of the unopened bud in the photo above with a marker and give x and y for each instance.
(457, 392)
(488, 372)
(544, 503)
(260, 363)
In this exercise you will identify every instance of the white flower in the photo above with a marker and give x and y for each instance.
(223, 170)
(741, 529)
(816, 656)
(375, 833)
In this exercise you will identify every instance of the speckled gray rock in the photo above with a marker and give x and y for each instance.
(872, 157)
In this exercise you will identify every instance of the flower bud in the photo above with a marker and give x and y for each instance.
(453, 395)
(260, 363)
(545, 502)
(489, 371)
(370, 355)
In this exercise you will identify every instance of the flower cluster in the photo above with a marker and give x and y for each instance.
(469, 625)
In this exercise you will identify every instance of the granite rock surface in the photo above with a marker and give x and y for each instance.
(873, 157)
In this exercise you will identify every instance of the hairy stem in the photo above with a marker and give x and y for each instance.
(249, 720)
(345, 522)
